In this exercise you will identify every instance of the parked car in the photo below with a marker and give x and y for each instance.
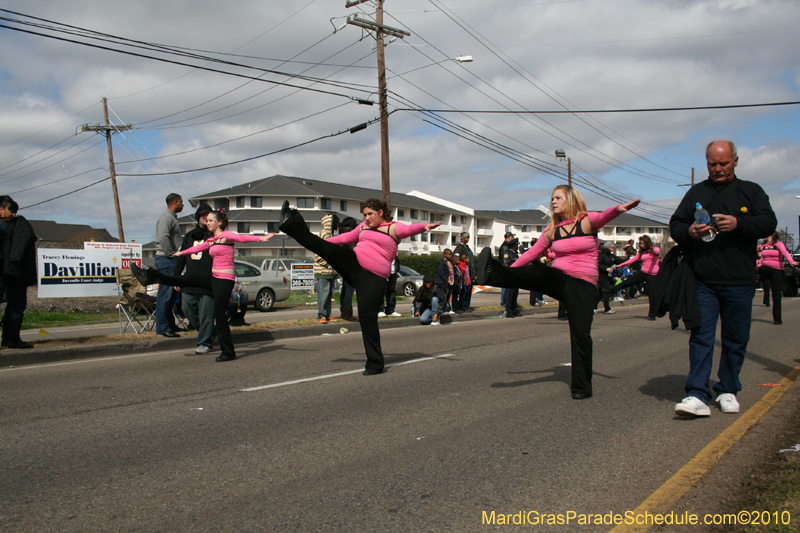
(408, 281)
(284, 267)
(263, 288)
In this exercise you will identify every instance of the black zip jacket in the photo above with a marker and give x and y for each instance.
(194, 263)
(731, 257)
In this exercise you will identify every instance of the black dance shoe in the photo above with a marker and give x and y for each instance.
(485, 266)
(778, 322)
(221, 358)
(373, 372)
(286, 212)
(145, 277)
(581, 395)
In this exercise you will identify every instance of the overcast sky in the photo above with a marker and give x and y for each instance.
(528, 55)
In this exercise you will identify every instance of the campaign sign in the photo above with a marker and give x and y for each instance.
(302, 276)
(129, 252)
(71, 273)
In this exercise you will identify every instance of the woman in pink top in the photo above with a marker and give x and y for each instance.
(221, 279)
(572, 278)
(366, 267)
(648, 255)
(773, 252)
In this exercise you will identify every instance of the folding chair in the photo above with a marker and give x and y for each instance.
(134, 304)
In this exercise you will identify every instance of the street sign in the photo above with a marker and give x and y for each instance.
(302, 276)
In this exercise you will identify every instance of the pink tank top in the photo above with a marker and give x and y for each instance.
(375, 249)
(221, 254)
(576, 254)
(771, 255)
(650, 262)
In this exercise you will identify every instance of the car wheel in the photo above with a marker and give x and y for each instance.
(265, 300)
(409, 289)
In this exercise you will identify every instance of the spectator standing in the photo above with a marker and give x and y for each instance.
(503, 250)
(465, 266)
(19, 270)
(325, 275)
(445, 278)
(773, 252)
(197, 303)
(508, 258)
(606, 260)
(461, 249)
(346, 296)
(168, 241)
(724, 271)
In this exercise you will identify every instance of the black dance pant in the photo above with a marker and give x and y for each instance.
(221, 290)
(576, 295)
(370, 288)
(604, 291)
(772, 280)
(636, 278)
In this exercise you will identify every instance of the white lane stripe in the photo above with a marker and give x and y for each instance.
(90, 360)
(337, 374)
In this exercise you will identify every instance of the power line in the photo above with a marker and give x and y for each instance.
(593, 111)
(57, 181)
(67, 194)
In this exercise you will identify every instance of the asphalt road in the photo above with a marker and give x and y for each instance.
(473, 417)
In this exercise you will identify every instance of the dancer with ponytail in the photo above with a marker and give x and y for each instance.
(221, 279)
(773, 252)
(366, 267)
(572, 278)
(648, 255)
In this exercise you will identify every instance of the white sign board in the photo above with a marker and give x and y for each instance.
(302, 276)
(78, 273)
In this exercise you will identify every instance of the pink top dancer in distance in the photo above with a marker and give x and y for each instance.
(572, 278)
(366, 267)
(772, 253)
(648, 254)
(219, 281)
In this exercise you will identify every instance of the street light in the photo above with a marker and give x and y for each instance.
(561, 155)
(459, 59)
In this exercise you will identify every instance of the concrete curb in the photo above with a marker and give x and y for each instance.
(135, 345)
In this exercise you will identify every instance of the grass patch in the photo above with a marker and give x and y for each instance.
(40, 319)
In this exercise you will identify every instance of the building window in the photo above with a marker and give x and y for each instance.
(272, 227)
(221, 204)
(452, 240)
(343, 206)
(540, 229)
(256, 201)
(242, 227)
(463, 220)
(657, 231)
(639, 230)
(244, 252)
(423, 236)
(509, 229)
(401, 213)
(240, 201)
(305, 202)
(414, 214)
(326, 203)
(413, 238)
(424, 215)
(526, 229)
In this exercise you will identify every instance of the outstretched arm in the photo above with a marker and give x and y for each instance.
(346, 238)
(598, 220)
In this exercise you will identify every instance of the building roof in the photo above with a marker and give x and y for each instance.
(279, 185)
(49, 231)
(264, 215)
(278, 241)
(517, 217)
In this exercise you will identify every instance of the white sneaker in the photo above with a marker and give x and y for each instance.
(202, 349)
(727, 403)
(692, 406)
(395, 313)
(436, 323)
(595, 311)
(609, 312)
(381, 314)
(451, 312)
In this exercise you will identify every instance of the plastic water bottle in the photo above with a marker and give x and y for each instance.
(701, 216)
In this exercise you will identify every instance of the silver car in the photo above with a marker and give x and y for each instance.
(408, 281)
(263, 288)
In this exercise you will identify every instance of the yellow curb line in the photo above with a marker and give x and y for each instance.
(668, 494)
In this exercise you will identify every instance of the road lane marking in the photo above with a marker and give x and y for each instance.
(338, 374)
(91, 360)
(666, 496)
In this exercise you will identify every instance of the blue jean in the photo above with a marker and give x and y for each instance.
(426, 317)
(346, 297)
(165, 299)
(734, 305)
(199, 311)
(324, 296)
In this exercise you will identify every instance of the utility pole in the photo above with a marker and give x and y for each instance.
(569, 172)
(692, 176)
(108, 130)
(380, 30)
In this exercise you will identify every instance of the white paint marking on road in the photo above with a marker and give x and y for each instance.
(337, 374)
(91, 360)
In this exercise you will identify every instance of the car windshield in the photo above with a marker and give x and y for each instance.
(405, 271)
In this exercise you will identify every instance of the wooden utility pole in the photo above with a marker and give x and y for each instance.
(108, 130)
(692, 176)
(569, 172)
(384, 105)
(380, 31)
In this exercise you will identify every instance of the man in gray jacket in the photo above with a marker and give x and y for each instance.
(168, 241)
